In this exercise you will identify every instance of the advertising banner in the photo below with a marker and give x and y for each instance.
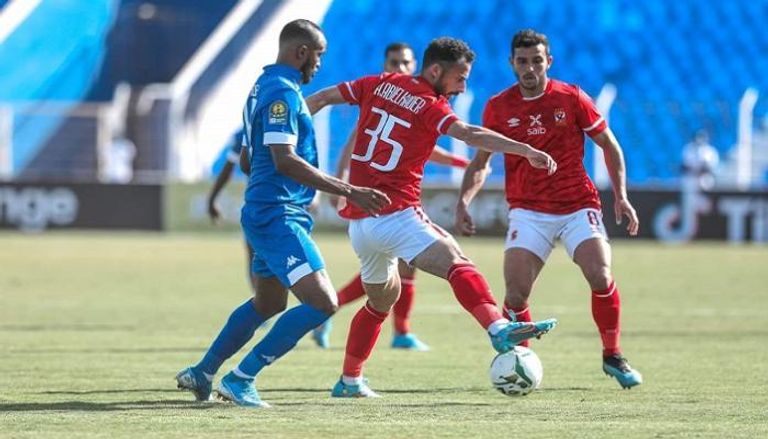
(665, 215)
(41, 206)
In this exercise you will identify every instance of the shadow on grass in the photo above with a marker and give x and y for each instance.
(715, 331)
(393, 391)
(88, 406)
(567, 389)
(108, 350)
(84, 327)
(104, 392)
(436, 404)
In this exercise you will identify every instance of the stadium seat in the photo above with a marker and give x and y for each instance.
(658, 68)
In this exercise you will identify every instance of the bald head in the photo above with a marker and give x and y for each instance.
(302, 43)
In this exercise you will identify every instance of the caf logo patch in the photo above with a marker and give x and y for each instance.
(559, 116)
(278, 113)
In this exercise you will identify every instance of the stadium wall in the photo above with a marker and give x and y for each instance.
(665, 215)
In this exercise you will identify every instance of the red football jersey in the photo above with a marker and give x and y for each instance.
(553, 122)
(401, 117)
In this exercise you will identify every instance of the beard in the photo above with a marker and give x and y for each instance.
(439, 86)
(528, 84)
(307, 71)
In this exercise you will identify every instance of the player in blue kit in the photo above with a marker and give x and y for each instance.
(282, 181)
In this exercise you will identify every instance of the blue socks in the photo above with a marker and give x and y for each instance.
(283, 336)
(235, 334)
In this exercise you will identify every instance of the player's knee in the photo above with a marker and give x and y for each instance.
(384, 299)
(328, 309)
(269, 309)
(327, 304)
(598, 276)
(382, 304)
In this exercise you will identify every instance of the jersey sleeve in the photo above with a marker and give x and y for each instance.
(279, 117)
(353, 91)
(439, 116)
(588, 117)
(238, 141)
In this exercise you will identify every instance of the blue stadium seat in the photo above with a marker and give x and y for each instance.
(666, 59)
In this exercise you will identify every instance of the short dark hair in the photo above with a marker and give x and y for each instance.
(529, 38)
(300, 30)
(447, 50)
(396, 47)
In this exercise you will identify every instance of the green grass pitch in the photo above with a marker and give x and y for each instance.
(93, 328)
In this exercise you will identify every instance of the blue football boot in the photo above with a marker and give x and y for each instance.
(516, 332)
(409, 342)
(618, 367)
(240, 391)
(341, 390)
(322, 334)
(195, 381)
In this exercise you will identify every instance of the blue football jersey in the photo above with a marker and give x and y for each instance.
(276, 113)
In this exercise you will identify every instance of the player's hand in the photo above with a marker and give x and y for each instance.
(542, 160)
(213, 211)
(622, 207)
(463, 221)
(370, 200)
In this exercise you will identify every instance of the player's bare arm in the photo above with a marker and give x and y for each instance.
(218, 185)
(288, 163)
(614, 162)
(321, 99)
(474, 178)
(492, 141)
(444, 157)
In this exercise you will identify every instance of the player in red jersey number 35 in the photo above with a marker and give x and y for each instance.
(401, 117)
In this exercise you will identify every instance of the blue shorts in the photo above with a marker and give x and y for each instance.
(282, 245)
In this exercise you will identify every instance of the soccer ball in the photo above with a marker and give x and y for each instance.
(517, 372)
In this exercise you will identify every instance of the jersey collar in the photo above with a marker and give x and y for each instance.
(286, 71)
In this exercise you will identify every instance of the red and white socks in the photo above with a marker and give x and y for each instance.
(363, 333)
(606, 311)
(518, 314)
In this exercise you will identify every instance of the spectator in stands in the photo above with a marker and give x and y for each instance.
(119, 161)
(700, 161)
